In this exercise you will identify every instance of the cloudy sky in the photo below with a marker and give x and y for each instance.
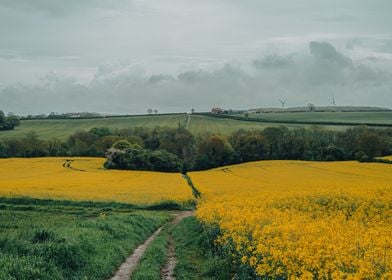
(124, 56)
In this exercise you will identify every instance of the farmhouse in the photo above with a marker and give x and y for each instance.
(217, 110)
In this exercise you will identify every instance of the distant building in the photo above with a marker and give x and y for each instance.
(217, 111)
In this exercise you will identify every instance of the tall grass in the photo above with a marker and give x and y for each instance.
(63, 245)
(196, 255)
(153, 259)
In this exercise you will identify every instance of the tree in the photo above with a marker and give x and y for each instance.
(164, 161)
(370, 143)
(81, 144)
(33, 147)
(100, 131)
(2, 118)
(149, 111)
(276, 138)
(250, 145)
(155, 111)
(215, 151)
(8, 122)
(137, 158)
(122, 145)
(56, 147)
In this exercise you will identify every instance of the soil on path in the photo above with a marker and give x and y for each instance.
(127, 268)
(167, 272)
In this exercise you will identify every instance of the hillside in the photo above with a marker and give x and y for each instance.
(371, 117)
(198, 124)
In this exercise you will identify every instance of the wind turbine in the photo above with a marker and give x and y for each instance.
(283, 102)
(333, 103)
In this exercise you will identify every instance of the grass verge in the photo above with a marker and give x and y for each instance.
(153, 259)
(68, 245)
(29, 204)
(197, 257)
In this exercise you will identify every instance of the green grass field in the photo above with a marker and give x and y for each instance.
(70, 242)
(384, 117)
(201, 124)
(61, 129)
(198, 124)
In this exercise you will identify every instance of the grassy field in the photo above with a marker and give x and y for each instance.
(61, 129)
(198, 124)
(202, 124)
(350, 117)
(82, 243)
(83, 179)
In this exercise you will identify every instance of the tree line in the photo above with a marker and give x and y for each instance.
(177, 149)
(8, 122)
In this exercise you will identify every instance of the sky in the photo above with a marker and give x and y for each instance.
(125, 56)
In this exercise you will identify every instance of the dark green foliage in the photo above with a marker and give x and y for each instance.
(250, 145)
(176, 149)
(46, 205)
(137, 158)
(43, 235)
(8, 122)
(100, 131)
(213, 152)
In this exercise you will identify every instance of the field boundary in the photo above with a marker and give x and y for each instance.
(196, 193)
(103, 117)
(30, 203)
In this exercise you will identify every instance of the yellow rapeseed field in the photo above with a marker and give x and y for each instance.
(387, 157)
(303, 220)
(48, 178)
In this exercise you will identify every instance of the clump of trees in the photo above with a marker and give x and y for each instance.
(127, 156)
(176, 149)
(8, 122)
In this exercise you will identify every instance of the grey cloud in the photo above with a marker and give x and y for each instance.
(59, 7)
(272, 62)
(122, 88)
(326, 52)
(126, 55)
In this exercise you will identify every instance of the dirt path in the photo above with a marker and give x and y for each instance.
(126, 269)
(167, 272)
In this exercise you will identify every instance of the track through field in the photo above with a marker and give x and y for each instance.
(126, 269)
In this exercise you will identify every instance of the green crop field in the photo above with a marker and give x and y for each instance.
(382, 117)
(62, 128)
(201, 124)
(198, 124)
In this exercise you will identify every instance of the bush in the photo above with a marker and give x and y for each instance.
(137, 158)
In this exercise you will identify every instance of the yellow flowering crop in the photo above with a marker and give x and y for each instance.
(48, 178)
(387, 157)
(303, 220)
